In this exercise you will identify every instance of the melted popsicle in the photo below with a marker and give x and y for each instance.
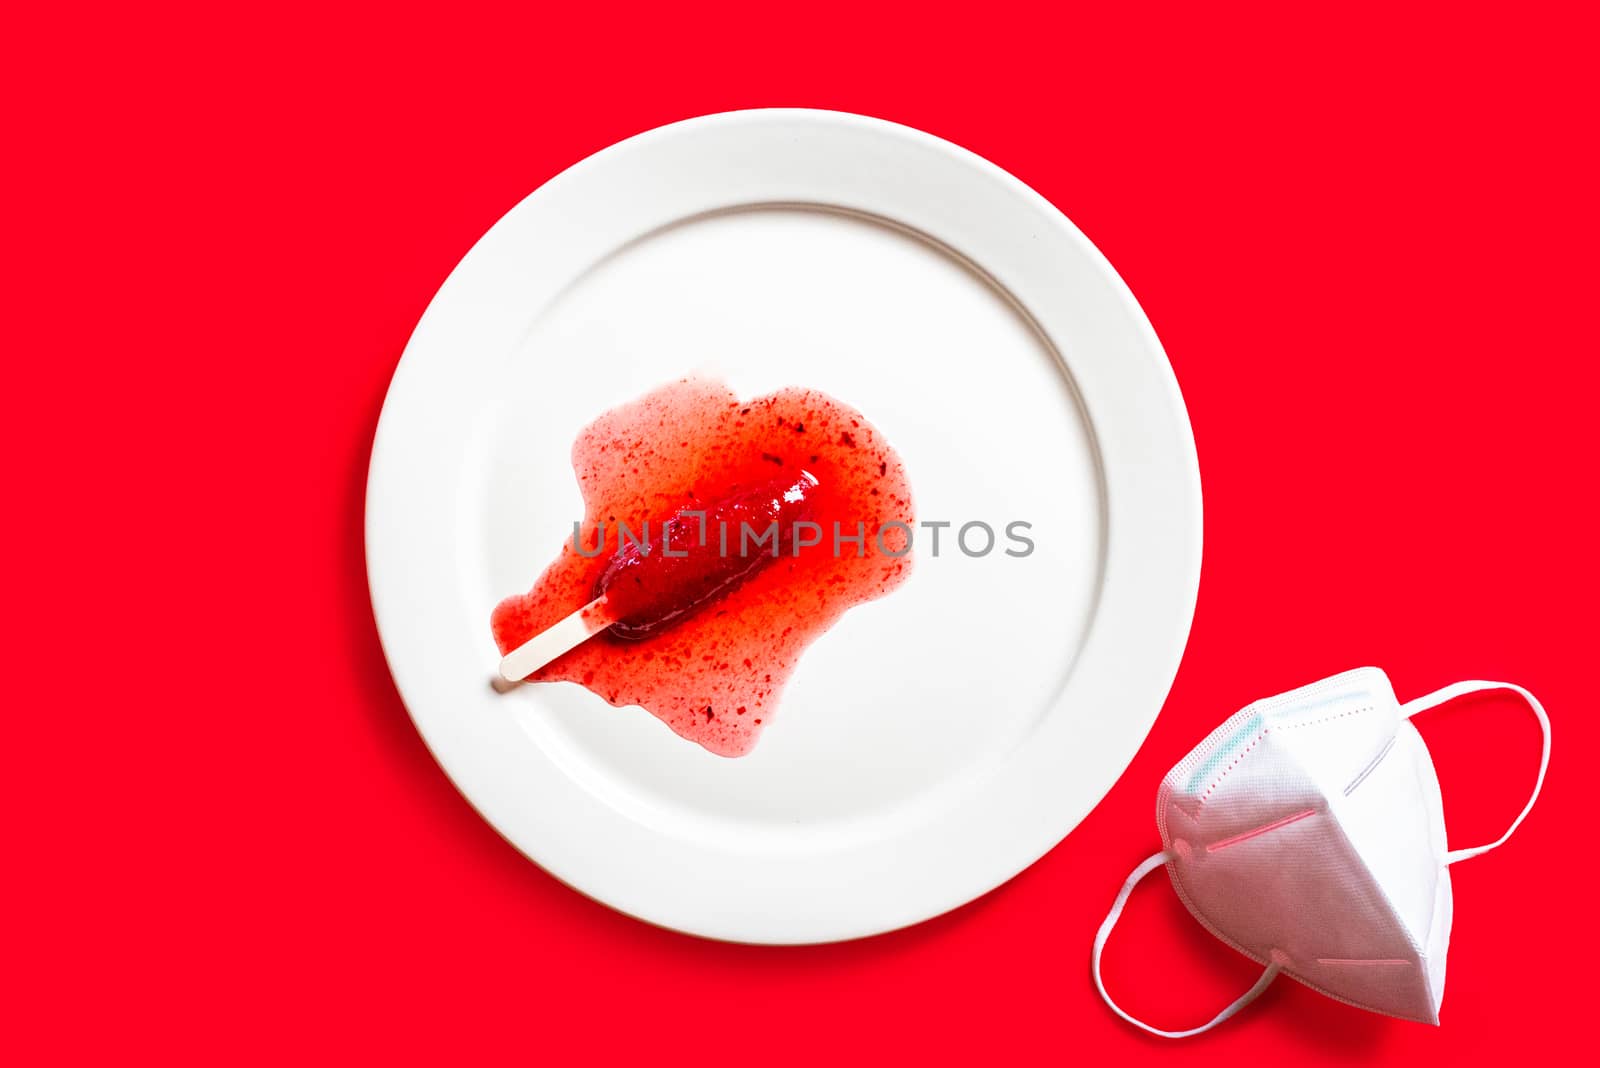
(703, 553)
(715, 675)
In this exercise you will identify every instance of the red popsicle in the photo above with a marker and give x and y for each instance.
(703, 553)
(708, 650)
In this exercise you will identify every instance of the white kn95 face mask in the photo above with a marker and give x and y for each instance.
(1307, 832)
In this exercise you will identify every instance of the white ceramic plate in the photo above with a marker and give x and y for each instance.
(935, 742)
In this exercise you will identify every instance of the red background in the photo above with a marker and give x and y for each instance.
(1367, 241)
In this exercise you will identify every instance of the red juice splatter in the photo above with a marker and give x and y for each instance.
(714, 674)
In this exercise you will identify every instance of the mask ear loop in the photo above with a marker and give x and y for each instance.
(1459, 689)
(1150, 865)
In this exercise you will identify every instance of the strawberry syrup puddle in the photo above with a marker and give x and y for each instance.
(712, 665)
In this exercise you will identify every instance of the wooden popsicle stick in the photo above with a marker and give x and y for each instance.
(550, 643)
